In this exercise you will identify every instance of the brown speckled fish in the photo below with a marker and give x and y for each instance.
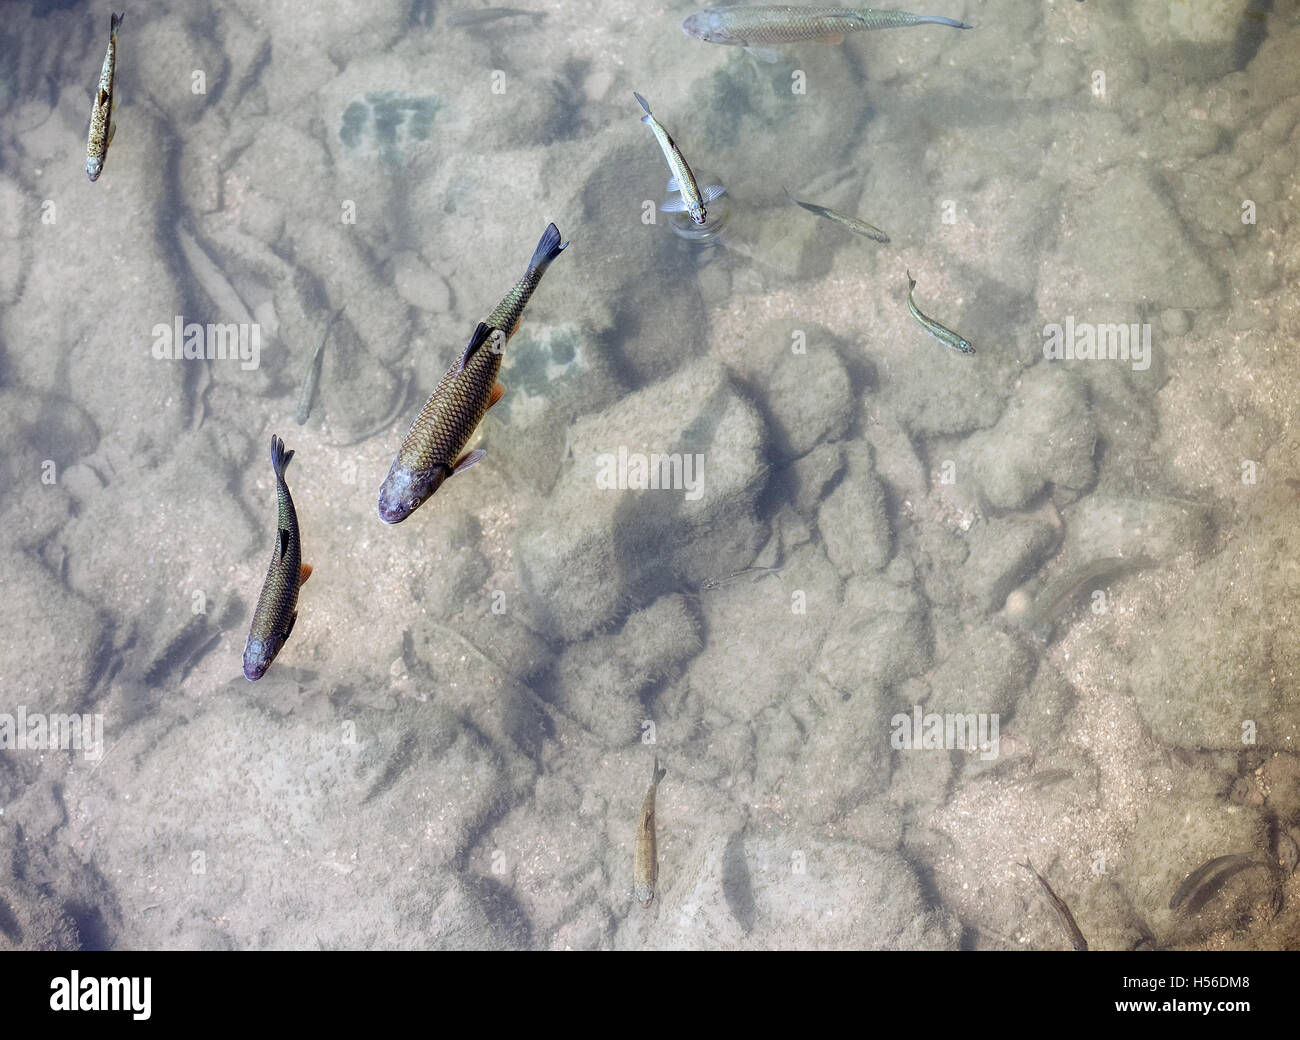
(434, 448)
(101, 114)
(646, 871)
(277, 606)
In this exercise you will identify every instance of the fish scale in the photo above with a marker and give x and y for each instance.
(454, 409)
(277, 606)
(431, 450)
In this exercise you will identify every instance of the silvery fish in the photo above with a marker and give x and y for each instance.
(312, 375)
(1057, 595)
(484, 15)
(646, 871)
(756, 27)
(102, 126)
(858, 227)
(692, 200)
(942, 333)
(1062, 910)
(434, 448)
(277, 606)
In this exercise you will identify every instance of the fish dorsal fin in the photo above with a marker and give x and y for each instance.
(476, 340)
(284, 542)
(674, 184)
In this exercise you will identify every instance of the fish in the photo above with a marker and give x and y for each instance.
(757, 572)
(1062, 911)
(102, 126)
(1056, 597)
(483, 15)
(942, 333)
(753, 28)
(692, 200)
(858, 227)
(646, 871)
(434, 448)
(277, 606)
(1220, 869)
(312, 374)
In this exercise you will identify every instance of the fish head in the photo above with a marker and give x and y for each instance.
(645, 894)
(404, 490)
(964, 346)
(258, 655)
(700, 217)
(94, 164)
(706, 26)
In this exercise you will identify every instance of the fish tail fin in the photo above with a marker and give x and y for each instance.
(658, 774)
(547, 249)
(911, 282)
(642, 102)
(280, 458)
(115, 22)
(934, 19)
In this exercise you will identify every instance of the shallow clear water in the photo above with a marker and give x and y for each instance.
(738, 510)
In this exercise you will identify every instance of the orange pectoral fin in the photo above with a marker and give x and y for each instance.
(303, 574)
(498, 392)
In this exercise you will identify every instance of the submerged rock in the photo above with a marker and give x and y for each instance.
(605, 538)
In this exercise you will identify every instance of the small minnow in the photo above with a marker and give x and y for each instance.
(646, 872)
(942, 333)
(859, 227)
(434, 446)
(277, 606)
(1056, 597)
(312, 375)
(490, 14)
(1220, 868)
(692, 200)
(753, 27)
(102, 126)
(1062, 911)
(758, 572)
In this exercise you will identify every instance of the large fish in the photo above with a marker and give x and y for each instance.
(646, 869)
(693, 199)
(757, 27)
(434, 448)
(277, 606)
(102, 126)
